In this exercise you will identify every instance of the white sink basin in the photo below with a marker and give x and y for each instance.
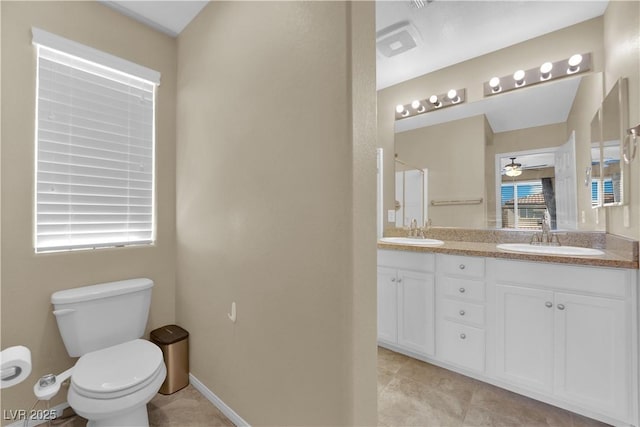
(549, 250)
(413, 241)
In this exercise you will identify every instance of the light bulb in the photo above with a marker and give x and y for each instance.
(545, 70)
(399, 108)
(513, 172)
(518, 76)
(494, 84)
(415, 104)
(453, 96)
(574, 63)
(433, 99)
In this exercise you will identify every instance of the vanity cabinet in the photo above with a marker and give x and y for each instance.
(460, 311)
(406, 301)
(561, 333)
(567, 332)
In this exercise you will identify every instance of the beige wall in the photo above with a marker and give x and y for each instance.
(450, 152)
(363, 399)
(471, 74)
(622, 59)
(28, 280)
(273, 163)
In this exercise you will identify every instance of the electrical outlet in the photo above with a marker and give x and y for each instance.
(391, 215)
(583, 216)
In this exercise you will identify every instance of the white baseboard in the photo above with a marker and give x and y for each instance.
(34, 422)
(217, 402)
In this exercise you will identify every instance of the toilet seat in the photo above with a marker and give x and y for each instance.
(117, 371)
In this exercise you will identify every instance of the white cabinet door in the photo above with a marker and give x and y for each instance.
(524, 336)
(592, 354)
(387, 305)
(416, 320)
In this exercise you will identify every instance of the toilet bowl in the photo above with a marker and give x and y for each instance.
(117, 373)
(111, 387)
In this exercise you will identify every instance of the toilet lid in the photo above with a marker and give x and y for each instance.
(117, 369)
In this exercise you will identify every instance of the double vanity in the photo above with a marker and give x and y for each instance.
(559, 326)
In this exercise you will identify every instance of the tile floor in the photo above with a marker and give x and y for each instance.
(184, 408)
(410, 393)
(415, 393)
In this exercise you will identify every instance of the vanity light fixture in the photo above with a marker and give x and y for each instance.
(523, 78)
(435, 102)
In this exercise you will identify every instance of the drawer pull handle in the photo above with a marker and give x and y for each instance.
(462, 266)
(560, 306)
(462, 313)
(548, 304)
(461, 290)
(463, 336)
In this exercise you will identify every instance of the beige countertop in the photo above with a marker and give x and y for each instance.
(609, 259)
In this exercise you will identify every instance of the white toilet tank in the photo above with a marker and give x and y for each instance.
(98, 316)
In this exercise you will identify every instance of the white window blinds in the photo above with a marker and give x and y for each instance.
(95, 155)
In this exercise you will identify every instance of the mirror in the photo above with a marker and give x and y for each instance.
(466, 149)
(592, 174)
(614, 118)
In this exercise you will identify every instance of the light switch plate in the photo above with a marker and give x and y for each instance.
(391, 215)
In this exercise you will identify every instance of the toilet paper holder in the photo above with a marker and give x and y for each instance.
(7, 374)
(15, 365)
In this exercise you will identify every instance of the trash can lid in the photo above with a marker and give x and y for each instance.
(168, 334)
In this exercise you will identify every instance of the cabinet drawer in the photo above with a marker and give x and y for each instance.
(612, 282)
(416, 261)
(462, 311)
(461, 265)
(461, 345)
(462, 288)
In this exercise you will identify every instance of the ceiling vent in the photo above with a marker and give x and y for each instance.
(419, 4)
(397, 38)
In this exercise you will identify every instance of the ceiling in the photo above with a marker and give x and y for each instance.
(449, 32)
(167, 16)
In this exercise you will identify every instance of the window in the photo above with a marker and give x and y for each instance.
(95, 145)
(523, 205)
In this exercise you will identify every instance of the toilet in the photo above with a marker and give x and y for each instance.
(117, 373)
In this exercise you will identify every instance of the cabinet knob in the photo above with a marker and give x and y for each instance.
(393, 279)
(462, 313)
(399, 280)
(560, 306)
(461, 290)
(548, 304)
(462, 266)
(463, 336)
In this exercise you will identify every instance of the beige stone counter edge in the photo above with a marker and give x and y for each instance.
(490, 250)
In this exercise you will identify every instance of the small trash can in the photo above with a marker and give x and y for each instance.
(174, 343)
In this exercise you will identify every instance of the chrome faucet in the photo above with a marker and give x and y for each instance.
(419, 232)
(546, 237)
